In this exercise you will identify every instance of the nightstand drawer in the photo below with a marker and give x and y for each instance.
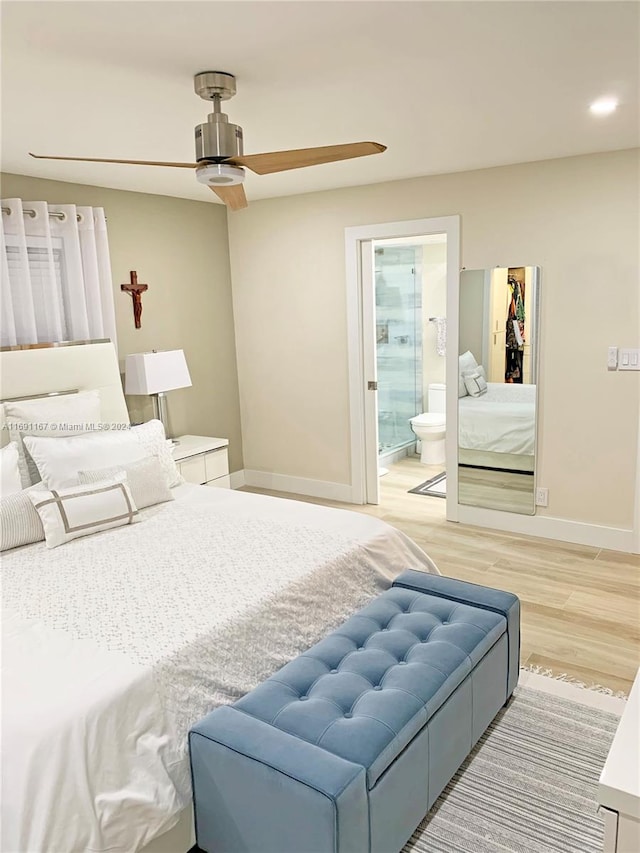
(216, 464)
(220, 483)
(193, 470)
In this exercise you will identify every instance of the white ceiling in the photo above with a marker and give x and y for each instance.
(447, 86)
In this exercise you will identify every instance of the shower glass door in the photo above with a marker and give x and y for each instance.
(398, 277)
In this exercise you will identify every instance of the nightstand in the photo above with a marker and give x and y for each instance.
(203, 460)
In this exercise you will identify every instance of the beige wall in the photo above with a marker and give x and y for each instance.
(180, 249)
(575, 217)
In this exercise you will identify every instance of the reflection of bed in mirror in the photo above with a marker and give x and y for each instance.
(497, 429)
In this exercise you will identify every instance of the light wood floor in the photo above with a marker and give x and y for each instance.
(580, 605)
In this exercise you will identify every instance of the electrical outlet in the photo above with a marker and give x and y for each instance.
(542, 496)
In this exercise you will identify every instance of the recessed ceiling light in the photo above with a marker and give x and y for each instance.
(604, 106)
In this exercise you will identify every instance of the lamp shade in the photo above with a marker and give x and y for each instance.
(156, 372)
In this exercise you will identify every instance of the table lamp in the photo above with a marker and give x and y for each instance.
(155, 373)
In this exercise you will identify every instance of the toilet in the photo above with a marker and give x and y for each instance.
(430, 427)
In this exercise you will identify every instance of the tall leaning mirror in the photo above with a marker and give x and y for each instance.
(497, 388)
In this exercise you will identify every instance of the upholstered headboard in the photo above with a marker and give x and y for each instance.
(74, 366)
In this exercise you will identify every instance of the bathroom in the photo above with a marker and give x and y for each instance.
(410, 299)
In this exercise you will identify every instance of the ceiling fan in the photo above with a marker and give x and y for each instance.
(219, 158)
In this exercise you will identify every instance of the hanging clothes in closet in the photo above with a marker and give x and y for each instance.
(514, 340)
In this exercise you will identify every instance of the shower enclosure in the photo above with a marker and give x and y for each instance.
(398, 278)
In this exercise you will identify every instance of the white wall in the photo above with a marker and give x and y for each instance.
(575, 217)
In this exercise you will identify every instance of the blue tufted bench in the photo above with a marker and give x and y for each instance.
(347, 747)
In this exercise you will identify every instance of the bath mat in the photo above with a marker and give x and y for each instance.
(436, 487)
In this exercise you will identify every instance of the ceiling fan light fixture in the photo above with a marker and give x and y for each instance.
(219, 174)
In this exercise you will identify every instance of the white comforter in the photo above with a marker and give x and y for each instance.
(113, 645)
(501, 421)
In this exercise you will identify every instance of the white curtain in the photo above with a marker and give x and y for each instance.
(56, 275)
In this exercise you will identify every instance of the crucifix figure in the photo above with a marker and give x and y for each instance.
(136, 290)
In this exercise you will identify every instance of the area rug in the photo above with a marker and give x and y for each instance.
(436, 487)
(530, 785)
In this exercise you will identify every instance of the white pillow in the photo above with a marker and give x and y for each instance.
(68, 414)
(19, 521)
(60, 459)
(68, 514)
(10, 479)
(145, 478)
(466, 362)
(476, 383)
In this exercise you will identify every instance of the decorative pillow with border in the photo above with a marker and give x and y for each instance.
(66, 414)
(145, 478)
(68, 514)
(19, 521)
(10, 479)
(475, 383)
(60, 459)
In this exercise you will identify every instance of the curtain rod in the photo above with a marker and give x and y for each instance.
(57, 214)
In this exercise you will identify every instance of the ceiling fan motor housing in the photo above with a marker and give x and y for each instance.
(218, 139)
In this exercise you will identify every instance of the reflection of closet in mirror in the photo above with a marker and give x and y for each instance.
(497, 388)
(509, 306)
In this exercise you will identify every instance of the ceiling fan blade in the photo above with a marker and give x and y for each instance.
(233, 196)
(281, 161)
(126, 162)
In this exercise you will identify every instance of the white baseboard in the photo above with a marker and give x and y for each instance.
(576, 532)
(237, 479)
(298, 485)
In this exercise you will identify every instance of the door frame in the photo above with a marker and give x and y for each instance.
(357, 318)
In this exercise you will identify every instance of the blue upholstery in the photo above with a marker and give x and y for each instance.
(355, 739)
(364, 691)
(494, 600)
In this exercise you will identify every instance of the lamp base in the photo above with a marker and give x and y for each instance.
(160, 411)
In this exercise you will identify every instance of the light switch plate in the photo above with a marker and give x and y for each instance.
(612, 358)
(629, 359)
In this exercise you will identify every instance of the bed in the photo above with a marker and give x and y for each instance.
(115, 643)
(497, 429)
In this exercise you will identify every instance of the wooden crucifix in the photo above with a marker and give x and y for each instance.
(136, 290)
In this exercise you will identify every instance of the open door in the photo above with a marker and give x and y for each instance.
(370, 364)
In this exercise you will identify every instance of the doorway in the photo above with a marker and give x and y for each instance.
(388, 367)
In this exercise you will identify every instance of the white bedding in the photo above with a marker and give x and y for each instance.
(113, 645)
(500, 421)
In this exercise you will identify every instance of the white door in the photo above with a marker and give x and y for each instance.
(361, 326)
(370, 363)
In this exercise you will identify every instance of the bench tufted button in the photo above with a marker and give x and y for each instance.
(385, 629)
(377, 687)
(333, 671)
(402, 663)
(303, 698)
(348, 716)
